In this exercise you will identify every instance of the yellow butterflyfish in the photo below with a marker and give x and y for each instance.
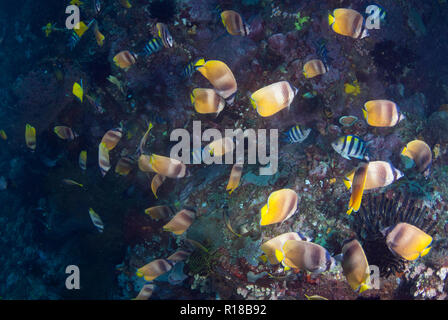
(78, 90)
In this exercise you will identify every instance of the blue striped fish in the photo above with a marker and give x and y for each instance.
(76, 34)
(154, 45)
(297, 134)
(73, 41)
(351, 146)
(192, 67)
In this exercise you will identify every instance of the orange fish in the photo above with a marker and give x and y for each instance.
(281, 205)
(171, 168)
(146, 292)
(156, 182)
(235, 177)
(65, 133)
(125, 59)
(347, 22)
(159, 212)
(419, 152)
(103, 159)
(234, 23)
(359, 182)
(314, 68)
(111, 138)
(273, 98)
(154, 269)
(180, 222)
(221, 77)
(124, 166)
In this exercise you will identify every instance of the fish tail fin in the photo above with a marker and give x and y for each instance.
(425, 252)
(199, 63)
(364, 287)
(330, 19)
(349, 211)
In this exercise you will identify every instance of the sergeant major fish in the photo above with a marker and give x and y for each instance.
(351, 146)
(297, 134)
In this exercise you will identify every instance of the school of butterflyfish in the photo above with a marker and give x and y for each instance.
(292, 250)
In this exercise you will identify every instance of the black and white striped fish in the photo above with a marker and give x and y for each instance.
(297, 134)
(154, 45)
(351, 146)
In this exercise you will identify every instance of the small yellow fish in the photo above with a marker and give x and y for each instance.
(76, 2)
(83, 160)
(315, 297)
(436, 148)
(116, 82)
(96, 220)
(126, 4)
(80, 28)
(144, 139)
(353, 89)
(71, 182)
(48, 29)
(3, 134)
(30, 137)
(98, 35)
(78, 91)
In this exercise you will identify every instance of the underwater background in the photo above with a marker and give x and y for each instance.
(83, 111)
